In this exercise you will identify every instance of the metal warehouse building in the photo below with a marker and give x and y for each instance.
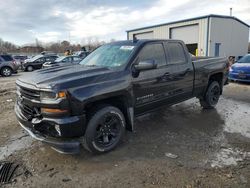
(211, 35)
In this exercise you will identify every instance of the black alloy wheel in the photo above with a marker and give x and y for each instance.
(105, 129)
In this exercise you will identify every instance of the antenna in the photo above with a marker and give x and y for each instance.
(231, 11)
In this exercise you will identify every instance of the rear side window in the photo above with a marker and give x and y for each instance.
(176, 53)
(40, 60)
(7, 57)
(153, 52)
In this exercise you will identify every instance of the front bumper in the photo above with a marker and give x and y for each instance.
(237, 77)
(67, 140)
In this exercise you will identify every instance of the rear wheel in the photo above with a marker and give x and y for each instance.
(211, 96)
(30, 68)
(6, 71)
(105, 129)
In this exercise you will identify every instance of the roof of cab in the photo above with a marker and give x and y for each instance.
(139, 42)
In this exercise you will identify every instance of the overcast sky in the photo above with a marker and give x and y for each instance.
(22, 21)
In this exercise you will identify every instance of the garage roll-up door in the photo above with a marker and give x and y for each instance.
(189, 34)
(146, 35)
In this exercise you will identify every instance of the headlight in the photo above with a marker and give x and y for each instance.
(52, 95)
(47, 95)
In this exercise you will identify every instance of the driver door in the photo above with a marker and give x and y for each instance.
(150, 86)
(39, 63)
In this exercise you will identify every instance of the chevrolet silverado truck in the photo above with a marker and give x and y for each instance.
(93, 103)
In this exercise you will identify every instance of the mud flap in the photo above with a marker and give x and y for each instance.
(130, 122)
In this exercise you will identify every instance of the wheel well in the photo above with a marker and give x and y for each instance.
(216, 77)
(5, 67)
(119, 102)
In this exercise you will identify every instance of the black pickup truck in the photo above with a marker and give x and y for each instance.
(93, 103)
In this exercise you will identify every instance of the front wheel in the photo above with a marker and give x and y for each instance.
(211, 96)
(105, 130)
(29, 68)
(6, 71)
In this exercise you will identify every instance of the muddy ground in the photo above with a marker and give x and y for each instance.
(179, 146)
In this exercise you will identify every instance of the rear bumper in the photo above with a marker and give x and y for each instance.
(66, 141)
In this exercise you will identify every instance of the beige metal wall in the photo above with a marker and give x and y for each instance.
(162, 32)
(232, 35)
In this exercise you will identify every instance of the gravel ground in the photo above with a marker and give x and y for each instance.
(179, 146)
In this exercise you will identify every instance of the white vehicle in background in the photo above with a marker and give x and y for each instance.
(63, 61)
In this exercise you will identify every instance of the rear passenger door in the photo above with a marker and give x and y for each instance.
(180, 71)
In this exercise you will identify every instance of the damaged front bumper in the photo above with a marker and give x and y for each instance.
(61, 144)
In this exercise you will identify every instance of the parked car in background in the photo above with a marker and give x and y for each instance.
(8, 65)
(20, 59)
(38, 61)
(63, 61)
(240, 71)
(82, 54)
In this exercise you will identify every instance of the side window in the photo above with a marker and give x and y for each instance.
(7, 57)
(76, 58)
(66, 60)
(50, 58)
(40, 60)
(176, 53)
(153, 52)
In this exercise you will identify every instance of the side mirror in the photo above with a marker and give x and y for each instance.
(146, 65)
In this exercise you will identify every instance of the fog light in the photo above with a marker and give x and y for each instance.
(57, 127)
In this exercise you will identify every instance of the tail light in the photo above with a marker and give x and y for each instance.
(14, 62)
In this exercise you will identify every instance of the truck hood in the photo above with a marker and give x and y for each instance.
(65, 76)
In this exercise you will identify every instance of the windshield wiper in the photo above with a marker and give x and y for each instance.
(91, 65)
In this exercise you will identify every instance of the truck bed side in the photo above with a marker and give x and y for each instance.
(207, 67)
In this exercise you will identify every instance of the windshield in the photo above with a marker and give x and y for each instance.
(35, 57)
(245, 59)
(110, 55)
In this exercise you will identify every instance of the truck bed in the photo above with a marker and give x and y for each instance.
(204, 67)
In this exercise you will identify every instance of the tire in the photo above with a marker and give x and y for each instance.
(211, 96)
(6, 71)
(29, 68)
(105, 130)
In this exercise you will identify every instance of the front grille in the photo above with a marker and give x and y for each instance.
(29, 111)
(28, 93)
